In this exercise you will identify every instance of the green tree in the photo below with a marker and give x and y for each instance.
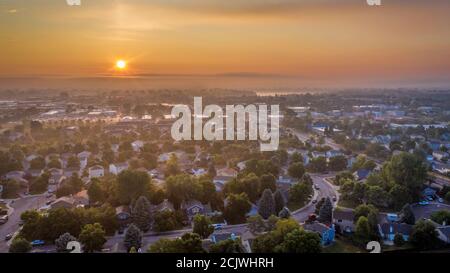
(266, 204)
(326, 211)
(441, 217)
(337, 163)
(226, 246)
(318, 165)
(424, 235)
(131, 185)
(141, 214)
(237, 207)
(299, 192)
(267, 181)
(133, 238)
(172, 167)
(296, 170)
(256, 224)
(280, 203)
(300, 241)
(73, 162)
(92, 237)
(165, 220)
(95, 192)
(406, 170)
(363, 232)
(399, 196)
(20, 245)
(202, 226)
(10, 189)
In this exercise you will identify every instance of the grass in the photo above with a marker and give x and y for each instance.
(293, 206)
(347, 204)
(342, 246)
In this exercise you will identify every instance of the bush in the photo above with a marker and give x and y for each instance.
(398, 240)
(20, 245)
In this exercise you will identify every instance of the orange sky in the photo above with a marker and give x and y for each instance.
(309, 39)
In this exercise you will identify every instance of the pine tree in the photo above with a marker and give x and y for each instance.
(133, 238)
(325, 212)
(266, 204)
(142, 214)
(279, 201)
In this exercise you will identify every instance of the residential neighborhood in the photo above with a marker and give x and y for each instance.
(342, 177)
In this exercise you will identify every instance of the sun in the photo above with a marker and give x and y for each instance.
(121, 64)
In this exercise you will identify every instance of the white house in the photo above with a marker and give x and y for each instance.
(118, 167)
(96, 171)
(137, 145)
(439, 155)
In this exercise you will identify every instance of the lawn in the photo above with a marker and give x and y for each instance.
(342, 246)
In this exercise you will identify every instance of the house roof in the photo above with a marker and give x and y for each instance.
(164, 205)
(316, 227)
(123, 209)
(361, 173)
(445, 230)
(343, 215)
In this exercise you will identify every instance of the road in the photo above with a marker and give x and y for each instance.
(19, 206)
(325, 190)
(115, 243)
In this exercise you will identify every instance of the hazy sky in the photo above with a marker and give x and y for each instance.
(320, 40)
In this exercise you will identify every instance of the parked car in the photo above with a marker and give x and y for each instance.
(440, 200)
(314, 201)
(312, 217)
(8, 237)
(3, 219)
(37, 243)
(334, 199)
(424, 203)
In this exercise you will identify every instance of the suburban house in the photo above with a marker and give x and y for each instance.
(444, 234)
(316, 154)
(165, 205)
(387, 231)
(96, 171)
(343, 220)
(123, 213)
(71, 171)
(83, 157)
(15, 175)
(63, 202)
(333, 153)
(361, 174)
(219, 181)
(194, 207)
(326, 233)
(227, 172)
(137, 145)
(439, 155)
(117, 168)
(81, 198)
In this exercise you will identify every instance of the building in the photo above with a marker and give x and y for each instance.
(194, 207)
(117, 168)
(96, 171)
(387, 231)
(219, 182)
(326, 233)
(344, 220)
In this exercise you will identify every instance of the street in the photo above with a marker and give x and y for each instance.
(19, 206)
